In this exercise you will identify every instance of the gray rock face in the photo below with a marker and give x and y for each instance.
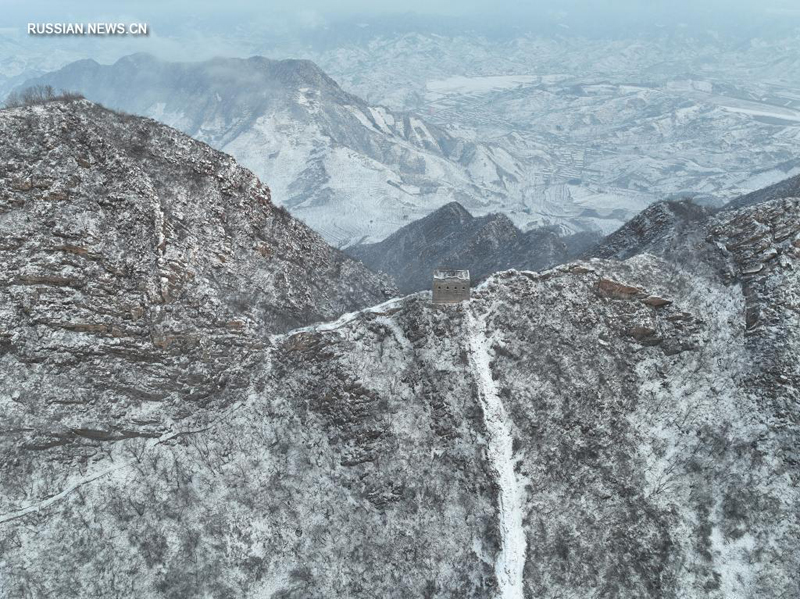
(452, 237)
(658, 226)
(142, 272)
(763, 242)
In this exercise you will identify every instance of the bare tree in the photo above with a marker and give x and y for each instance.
(39, 94)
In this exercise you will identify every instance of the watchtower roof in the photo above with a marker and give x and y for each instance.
(462, 275)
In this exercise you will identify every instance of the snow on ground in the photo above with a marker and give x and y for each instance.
(511, 561)
(476, 85)
(116, 470)
(742, 106)
(342, 320)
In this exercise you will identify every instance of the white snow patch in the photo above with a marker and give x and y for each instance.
(382, 119)
(362, 118)
(733, 560)
(511, 561)
(398, 333)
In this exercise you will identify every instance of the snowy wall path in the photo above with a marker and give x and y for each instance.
(511, 561)
(342, 320)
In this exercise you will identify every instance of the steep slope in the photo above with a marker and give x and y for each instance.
(755, 249)
(142, 271)
(788, 188)
(353, 172)
(603, 428)
(658, 226)
(452, 237)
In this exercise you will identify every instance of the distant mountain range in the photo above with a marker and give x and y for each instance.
(452, 237)
(581, 133)
(353, 172)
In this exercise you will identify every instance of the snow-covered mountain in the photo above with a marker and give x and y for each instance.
(580, 132)
(611, 428)
(352, 171)
(142, 271)
(452, 237)
(657, 229)
(605, 125)
(605, 427)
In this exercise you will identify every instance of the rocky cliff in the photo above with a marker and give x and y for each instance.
(142, 273)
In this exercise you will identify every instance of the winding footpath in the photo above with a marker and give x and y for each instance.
(510, 563)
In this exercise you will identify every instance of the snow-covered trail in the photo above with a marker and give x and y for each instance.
(332, 325)
(274, 339)
(511, 561)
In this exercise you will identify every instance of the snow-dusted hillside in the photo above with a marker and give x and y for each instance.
(606, 428)
(352, 171)
(142, 271)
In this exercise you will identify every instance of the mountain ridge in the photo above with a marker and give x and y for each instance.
(636, 464)
(175, 425)
(451, 237)
(328, 154)
(145, 269)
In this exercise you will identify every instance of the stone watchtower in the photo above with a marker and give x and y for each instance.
(450, 286)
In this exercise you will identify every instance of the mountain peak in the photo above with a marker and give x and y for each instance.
(452, 209)
(242, 106)
(655, 224)
(137, 59)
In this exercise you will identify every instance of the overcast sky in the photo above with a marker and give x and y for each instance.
(16, 10)
(172, 20)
